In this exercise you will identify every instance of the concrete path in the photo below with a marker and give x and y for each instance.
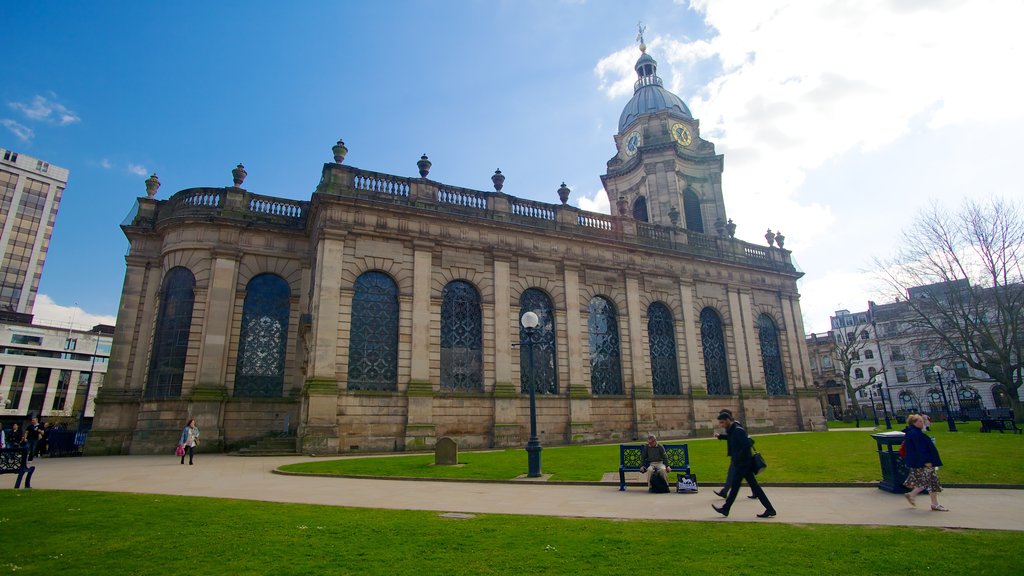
(224, 476)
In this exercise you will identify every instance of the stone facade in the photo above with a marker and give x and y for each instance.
(426, 237)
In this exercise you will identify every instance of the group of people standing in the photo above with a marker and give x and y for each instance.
(922, 460)
(34, 436)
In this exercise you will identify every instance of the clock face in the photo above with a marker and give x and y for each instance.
(681, 134)
(632, 142)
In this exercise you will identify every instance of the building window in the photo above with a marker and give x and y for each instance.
(640, 210)
(13, 400)
(81, 392)
(10, 156)
(170, 342)
(858, 373)
(662, 335)
(39, 385)
(855, 354)
(929, 374)
(771, 355)
(42, 166)
(868, 354)
(461, 337)
(263, 340)
(935, 403)
(542, 369)
(968, 398)
(826, 362)
(70, 343)
(864, 335)
(901, 374)
(60, 396)
(24, 339)
(961, 371)
(373, 337)
(896, 354)
(603, 329)
(907, 402)
(716, 367)
(691, 210)
(872, 372)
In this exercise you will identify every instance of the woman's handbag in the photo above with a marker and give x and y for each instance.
(759, 463)
(179, 451)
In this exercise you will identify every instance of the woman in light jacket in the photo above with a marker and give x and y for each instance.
(923, 461)
(189, 440)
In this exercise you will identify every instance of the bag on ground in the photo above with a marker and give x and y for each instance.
(658, 483)
(687, 484)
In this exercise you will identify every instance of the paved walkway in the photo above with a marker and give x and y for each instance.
(250, 478)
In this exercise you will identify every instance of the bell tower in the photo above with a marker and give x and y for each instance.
(664, 172)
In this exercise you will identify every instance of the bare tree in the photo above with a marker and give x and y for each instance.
(963, 276)
(847, 348)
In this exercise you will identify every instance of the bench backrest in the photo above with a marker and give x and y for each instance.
(13, 460)
(631, 456)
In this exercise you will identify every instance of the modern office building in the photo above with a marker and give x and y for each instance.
(49, 372)
(30, 192)
(387, 312)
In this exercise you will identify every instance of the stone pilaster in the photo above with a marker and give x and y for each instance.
(420, 429)
(581, 426)
(642, 391)
(506, 395)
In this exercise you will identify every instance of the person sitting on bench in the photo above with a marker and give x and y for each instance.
(655, 459)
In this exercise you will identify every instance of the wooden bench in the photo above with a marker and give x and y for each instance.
(1001, 424)
(15, 461)
(631, 458)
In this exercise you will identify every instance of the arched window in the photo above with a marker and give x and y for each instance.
(603, 328)
(542, 368)
(662, 335)
(872, 372)
(373, 337)
(968, 398)
(170, 342)
(640, 209)
(858, 373)
(771, 355)
(691, 208)
(716, 366)
(461, 337)
(907, 401)
(263, 342)
(935, 402)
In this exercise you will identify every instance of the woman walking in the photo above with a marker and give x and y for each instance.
(923, 461)
(189, 440)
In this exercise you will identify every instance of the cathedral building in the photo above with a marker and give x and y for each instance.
(385, 313)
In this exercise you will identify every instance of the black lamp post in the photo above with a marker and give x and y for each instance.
(945, 402)
(531, 323)
(874, 409)
(885, 411)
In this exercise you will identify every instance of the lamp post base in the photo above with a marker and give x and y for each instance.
(533, 449)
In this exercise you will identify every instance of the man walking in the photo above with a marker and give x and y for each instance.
(732, 469)
(33, 434)
(743, 461)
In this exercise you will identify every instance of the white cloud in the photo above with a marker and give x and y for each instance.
(44, 109)
(49, 313)
(599, 203)
(24, 133)
(105, 164)
(137, 169)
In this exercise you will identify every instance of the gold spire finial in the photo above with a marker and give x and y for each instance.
(640, 36)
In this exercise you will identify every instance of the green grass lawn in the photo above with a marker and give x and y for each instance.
(112, 534)
(968, 457)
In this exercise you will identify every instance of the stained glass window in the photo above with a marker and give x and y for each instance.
(461, 337)
(542, 368)
(170, 342)
(691, 209)
(605, 365)
(373, 337)
(264, 338)
(771, 355)
(716, 365)
(662, 335)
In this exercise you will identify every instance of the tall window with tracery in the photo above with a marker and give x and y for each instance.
(716, 364)
(263, 343)
(605, 364)
(542, 368)
(170, 341)
(661, 333)
(771, 355)
(461, 337)
(373, 336)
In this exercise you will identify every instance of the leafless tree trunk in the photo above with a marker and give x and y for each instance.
(962, 276)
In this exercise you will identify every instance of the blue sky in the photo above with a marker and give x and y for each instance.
(837, 121)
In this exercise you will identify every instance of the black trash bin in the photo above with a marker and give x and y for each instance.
(894, 472)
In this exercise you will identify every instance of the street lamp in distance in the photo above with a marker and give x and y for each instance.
(945, 403)
(531, 325)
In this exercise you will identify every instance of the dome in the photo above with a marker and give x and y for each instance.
(649, 96)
